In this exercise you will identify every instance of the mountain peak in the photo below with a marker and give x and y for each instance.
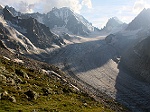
(113, 25)
(1, 7)
(66, 18)
(140, 21)
(114, 21)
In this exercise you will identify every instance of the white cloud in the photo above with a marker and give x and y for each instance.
(139, 5)
(87, 3)
(25, 7)
(46, 5)
(73, 4)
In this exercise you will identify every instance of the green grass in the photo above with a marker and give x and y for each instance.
(57, 101)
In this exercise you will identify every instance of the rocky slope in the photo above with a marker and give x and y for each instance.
(13, 40)
(137, 58)
(29, 85)
(37, 33)
(141, 21)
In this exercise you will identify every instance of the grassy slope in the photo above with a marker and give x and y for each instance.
(62, 97)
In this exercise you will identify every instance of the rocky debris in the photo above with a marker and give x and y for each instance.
(54, 73)
(31, 95)
(74, 88)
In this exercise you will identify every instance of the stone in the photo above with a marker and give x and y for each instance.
(85, 104)
(4, 95)
(12, 99)
(10, 81)
(2, 79)
(0, 96)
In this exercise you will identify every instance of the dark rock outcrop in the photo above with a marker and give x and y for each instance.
(137, 60)
(32, 95)
(37, 33)
(63, 17)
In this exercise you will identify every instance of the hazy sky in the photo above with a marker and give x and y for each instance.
(96, 11)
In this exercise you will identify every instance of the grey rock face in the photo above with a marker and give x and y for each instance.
(109, 38)
(137, 60)
(37, 33)
(141, 21)
(63, 17)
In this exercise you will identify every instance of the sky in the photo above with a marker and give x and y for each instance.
(95, 11)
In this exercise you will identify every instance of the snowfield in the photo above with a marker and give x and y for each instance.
(92, 61)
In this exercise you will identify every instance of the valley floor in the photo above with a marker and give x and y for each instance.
(92, 62)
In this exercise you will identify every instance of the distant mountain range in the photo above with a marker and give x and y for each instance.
(133, 43)
(63, 18)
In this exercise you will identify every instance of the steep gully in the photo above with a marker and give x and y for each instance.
(92, 62)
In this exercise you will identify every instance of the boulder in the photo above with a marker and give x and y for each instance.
(4, 95)
(109, 38)
(12, 99)
(2, 79)
(10, 81)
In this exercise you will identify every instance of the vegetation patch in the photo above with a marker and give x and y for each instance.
(25, 89)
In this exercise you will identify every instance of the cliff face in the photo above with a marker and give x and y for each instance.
(141, 21)
(37, 33)
(137, 59)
